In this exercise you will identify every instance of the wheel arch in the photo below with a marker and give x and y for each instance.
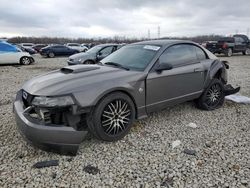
(121, 90)
(217, 70)
(20, 60)
(89, 60)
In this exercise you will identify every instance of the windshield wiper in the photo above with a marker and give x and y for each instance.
(116, 65)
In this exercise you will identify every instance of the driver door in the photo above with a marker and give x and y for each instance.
(183, 82)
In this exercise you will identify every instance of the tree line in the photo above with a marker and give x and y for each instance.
(116, 39)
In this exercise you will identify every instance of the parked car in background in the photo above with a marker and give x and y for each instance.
(93, 55)
(205, 43)
(38, 47)
(230, 45)
(57, 109)
(77, 46)
(57, 50)
(86, 45)
(10, 54)
(31, 51)
(26, 45)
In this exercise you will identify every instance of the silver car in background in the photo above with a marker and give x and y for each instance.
(10, 54)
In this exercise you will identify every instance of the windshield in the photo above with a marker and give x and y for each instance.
(95, 49)
(134, 57)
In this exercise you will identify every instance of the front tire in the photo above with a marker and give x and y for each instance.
(213, 96)
(25, 61)
(112, 118)
(88, 62)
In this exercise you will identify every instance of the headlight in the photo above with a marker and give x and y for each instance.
(53, 101)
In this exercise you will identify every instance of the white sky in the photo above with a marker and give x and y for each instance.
(130, 18)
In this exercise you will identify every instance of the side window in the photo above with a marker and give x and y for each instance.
(179, 55)
(7, 48)
(107, 50)
(239, 40)
(200, 53)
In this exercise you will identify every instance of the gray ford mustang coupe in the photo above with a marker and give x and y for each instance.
(57, 109)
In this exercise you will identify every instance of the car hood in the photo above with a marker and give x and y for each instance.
(78, 78)
(82, 56)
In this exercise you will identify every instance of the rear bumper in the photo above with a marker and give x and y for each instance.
(64, 140)
(43, 53)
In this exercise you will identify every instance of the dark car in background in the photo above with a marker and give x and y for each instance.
(31, 51)
(57, 50)
(93, 55)
(230, 45)
(38, 47)
(57, 109)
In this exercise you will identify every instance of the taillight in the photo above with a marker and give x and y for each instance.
(224, 45)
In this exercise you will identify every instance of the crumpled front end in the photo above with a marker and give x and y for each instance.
(59, 129)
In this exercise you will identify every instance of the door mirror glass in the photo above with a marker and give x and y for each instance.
(163, 66)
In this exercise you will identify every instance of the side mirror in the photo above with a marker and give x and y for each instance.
(163, 66)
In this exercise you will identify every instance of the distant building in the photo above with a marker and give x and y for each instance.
(3, 39)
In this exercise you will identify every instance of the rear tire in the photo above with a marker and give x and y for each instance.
(51, 55)
(112, 118)
(229, 52)
(212, 97)
(25, 61)
(246, 52)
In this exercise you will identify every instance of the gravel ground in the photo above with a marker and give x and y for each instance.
(144, 158)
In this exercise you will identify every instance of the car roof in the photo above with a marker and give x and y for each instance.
(108, 44)
(164, 42)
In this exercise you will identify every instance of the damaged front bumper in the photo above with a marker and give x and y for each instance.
(64, 139)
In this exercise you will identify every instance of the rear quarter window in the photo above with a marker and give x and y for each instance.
(201, 55)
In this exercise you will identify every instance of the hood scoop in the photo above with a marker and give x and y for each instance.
(78, 69)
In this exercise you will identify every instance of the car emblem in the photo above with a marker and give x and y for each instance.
(25, 95)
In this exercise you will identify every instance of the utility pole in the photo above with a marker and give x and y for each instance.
(159, 32)
(149, 34)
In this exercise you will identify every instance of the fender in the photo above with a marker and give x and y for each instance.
(216, 67)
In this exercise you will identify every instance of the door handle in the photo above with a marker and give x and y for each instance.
(197, 69)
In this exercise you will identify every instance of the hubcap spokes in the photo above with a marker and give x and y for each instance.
(26, 61)
(214, 94)
(116, 117)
